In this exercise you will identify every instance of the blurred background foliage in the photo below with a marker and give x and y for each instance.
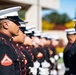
(56, 21)
(22, 14)
(56, 18)
(53, 21)
(47, 26)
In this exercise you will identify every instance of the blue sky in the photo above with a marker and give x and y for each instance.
(66, 6)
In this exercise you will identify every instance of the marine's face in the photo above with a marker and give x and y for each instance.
(20, 38)
(28, 40)
(43, 40)
(71, 38)
(13, 28)
(48, 42)
(55, 42)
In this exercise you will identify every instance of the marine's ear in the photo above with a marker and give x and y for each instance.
(5, 25)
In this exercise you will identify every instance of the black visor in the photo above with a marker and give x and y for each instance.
(23, 29)
(15, 19)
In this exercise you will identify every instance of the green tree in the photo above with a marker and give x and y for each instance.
(64, 18)
(57, 18)
(22, 14)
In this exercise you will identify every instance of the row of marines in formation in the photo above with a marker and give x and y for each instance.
(23, 54)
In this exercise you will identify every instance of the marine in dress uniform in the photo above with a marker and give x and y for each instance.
(29, 48)
(32, 51)
(18, 43)
(37, 48)
(10, 58)
(49, 51)
(47, 61)
(37, 54)
(27, 44)
(70, 34)
(46, 48)
(72, 54)
(72, 61)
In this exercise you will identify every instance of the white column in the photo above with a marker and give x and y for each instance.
(34, 17)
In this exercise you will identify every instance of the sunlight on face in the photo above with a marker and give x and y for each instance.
(13, 28)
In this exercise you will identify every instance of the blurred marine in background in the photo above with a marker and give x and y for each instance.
(71, 36)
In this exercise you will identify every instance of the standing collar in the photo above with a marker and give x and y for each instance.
(2, 35)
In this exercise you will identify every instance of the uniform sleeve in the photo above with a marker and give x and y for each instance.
(6, 61)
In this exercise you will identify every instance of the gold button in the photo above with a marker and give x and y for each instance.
(16, 44)
(22, 60)
(2, 38)
(9, 39)
(17, 59)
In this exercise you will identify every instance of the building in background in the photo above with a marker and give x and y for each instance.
(33, 9)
